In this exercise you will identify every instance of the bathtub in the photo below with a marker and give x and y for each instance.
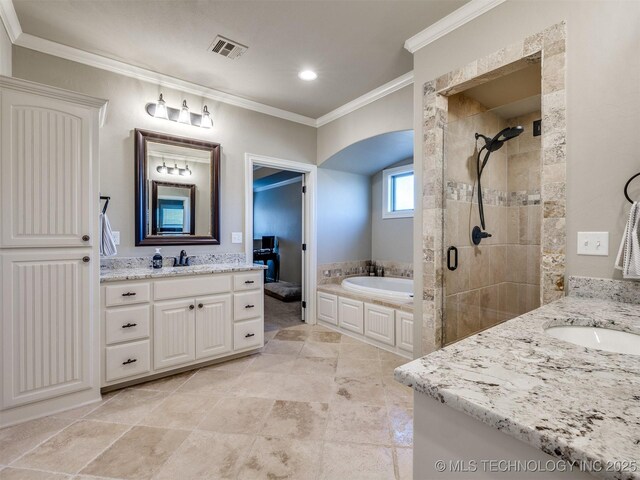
(389, 288)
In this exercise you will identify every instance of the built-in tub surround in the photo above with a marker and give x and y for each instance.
(337, 272)
(576, 404)
(547, 47)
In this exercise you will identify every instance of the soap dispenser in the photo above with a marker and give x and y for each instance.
(157, 259)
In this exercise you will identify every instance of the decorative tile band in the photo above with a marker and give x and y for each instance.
(116, 263)
(335, 272)
(624, 291)
(464, 192)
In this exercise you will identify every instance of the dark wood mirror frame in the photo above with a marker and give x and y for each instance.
(142, 194)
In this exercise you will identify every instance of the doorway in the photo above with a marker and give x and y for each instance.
(280, 233)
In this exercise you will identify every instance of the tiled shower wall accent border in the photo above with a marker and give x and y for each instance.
(625, 291)
(549, 47)
(336, 272)
(116, 263)
(465, 192)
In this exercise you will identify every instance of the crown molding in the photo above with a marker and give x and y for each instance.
(454, 20)
(98, 61)
(10, 20)
(382, 91)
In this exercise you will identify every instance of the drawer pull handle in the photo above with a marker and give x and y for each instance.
(200, 305)
(129, 294)
(130, 360)
(249, 306)
(249, 335)
(191, 307)
(249, 281)
(129, 325)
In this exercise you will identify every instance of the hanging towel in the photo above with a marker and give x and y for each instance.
(107, 243)
(628, 259)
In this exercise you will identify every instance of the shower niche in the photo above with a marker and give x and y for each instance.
(492, 213)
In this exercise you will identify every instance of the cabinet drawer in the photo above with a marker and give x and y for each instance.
(248, 334)
(191, 287)
(127, 294)
(247, 305)
(247, 281)
(127, 360)
(126, 323)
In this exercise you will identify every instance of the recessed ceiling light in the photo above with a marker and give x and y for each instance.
(307, 75)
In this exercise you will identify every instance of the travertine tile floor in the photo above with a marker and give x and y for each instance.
(312, 405)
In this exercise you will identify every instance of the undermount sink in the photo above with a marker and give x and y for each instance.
(598, 338)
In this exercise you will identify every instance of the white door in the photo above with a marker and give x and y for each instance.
(47, 335)
(174, 340)
(379, 323)
(303, 278)
(46, 169)
(350, 315)
(213, 326)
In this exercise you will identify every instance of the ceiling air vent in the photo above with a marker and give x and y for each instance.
(227, 48)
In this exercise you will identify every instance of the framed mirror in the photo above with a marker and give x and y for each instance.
(177, 190)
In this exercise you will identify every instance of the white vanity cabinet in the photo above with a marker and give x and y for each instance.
(156, 325)
(49, 206)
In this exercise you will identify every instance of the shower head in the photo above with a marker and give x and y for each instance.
(495, 143)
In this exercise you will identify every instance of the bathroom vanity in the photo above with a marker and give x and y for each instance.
(514, 393)
(156, 322)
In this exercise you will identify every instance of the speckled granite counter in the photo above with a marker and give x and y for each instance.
(120, 274)
(577, 404)
(337, 289)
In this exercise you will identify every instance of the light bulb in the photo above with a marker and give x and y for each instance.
(161, 109)
(186, 172)
(206, 118)
(162, 168)
(185, 116)
(307, 75)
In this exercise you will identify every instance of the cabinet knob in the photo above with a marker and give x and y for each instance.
(191, 307)
(86, 259)
(249, 335)
(200, 305)
(129, 325)
(86, 238)
(130, 360)
(249, 306)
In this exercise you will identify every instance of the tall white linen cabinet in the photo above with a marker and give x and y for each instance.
(49, 284)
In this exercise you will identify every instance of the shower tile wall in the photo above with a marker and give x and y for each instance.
(499, 279)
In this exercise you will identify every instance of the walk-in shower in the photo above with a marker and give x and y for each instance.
(490, 145)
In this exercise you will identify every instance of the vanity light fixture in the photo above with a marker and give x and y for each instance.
(162, 168)
(185, 116)
(206, 122)
(159, 109)
(175, 170)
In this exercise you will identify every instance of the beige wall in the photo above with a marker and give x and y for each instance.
(388, 114)
(5, 52)
(391, 238)
(237, 130)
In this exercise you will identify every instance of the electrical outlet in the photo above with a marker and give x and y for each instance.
(593, 243)
(116, 237)
(236, 237)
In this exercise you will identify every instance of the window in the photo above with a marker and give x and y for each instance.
(397, 192)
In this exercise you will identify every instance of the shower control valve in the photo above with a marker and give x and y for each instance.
(477, 235)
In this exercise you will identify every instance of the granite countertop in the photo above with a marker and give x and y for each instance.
(577, 404)
(337, 289)
(120, 274)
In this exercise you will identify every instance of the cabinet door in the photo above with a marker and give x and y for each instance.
(350, 315)
(379, 323)
(47, 325)
(174, 340)
(46, 163)
(213, 326)
(328, 308)
(404, 330)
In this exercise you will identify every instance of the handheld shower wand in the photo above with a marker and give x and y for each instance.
(490, 145)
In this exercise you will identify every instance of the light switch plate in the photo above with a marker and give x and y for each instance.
(236, 237)
(116, 237)
(593, 243)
